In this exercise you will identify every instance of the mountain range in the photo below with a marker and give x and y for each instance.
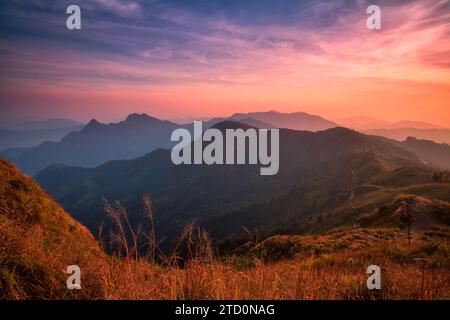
(320, 166)
(401, 134)
(294, 120)
(400, 130)
(363, 123)
(97, 143)
(319, 171)
(136, 136)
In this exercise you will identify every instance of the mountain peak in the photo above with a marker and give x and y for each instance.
(139, 117)
(296, 120)
(93, 124)
(251, 114)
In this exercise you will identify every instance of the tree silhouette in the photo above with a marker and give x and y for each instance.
(407, 218)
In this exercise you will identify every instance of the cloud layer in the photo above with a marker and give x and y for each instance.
(207, 57)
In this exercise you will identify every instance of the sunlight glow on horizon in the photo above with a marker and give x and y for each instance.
(401, 72)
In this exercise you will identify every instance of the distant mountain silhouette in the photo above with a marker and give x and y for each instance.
(364, 123)
(49, 124)
(322, 167)
(412, 124)
(31, 138)
(295, 120)
(245, 120)
(256, 123)
(436, 135)
(97, 143)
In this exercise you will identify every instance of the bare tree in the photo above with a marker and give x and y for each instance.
(408, 218)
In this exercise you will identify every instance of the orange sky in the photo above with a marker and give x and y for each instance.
(401, 72)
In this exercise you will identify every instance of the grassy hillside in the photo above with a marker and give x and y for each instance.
(378, 205)
(329, 266)
(38, 240)
(329, 202)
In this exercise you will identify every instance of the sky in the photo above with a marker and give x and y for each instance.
(183, 60)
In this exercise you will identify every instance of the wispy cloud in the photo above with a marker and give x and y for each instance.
(121, 7)
(292, 49)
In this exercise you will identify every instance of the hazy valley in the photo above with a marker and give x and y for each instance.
(337, 191)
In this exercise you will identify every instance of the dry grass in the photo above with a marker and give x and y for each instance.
(330, 266)
(38, 240)
(328, 276)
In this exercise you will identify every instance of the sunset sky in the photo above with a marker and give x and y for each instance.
(181, 59)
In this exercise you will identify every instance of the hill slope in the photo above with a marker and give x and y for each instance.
(38, 241)
(429, 151)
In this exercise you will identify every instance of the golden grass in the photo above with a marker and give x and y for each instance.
(339, 275)
(38, 240)
(329, 266)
